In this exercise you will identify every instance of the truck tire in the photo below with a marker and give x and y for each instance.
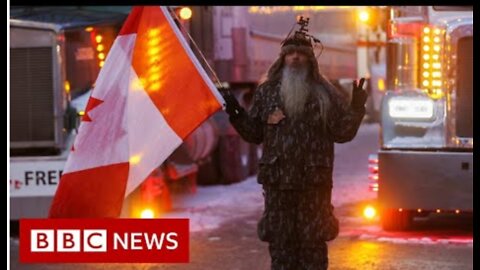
(233, 159)
(208, 170)
(394, 220)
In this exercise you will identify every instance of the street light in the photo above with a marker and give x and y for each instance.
(363, 16)
(185, 13)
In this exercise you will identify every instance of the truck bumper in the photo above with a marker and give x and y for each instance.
(29, 207)
(425, 180)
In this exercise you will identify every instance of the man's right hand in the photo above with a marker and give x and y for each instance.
(232, 107)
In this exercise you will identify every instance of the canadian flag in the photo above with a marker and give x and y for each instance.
(150, 94)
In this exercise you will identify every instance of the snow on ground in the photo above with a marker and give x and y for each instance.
(429, 237)
(212, 205)
(424, 240)
(350, 173)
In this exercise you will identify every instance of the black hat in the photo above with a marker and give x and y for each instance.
(298, 39)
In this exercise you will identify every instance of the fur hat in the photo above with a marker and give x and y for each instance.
(298, 42)
(301, 43)
(298, 39)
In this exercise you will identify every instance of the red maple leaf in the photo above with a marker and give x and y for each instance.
(92, 103)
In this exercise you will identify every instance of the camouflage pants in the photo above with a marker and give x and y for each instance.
(297, 224)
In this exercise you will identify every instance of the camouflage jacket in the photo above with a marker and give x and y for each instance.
(297, 153)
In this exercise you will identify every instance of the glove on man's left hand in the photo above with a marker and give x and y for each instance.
(359, 96)
(232, 107)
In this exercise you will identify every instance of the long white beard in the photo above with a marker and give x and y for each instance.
(294, 90)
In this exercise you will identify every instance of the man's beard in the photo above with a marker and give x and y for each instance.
(294, 90)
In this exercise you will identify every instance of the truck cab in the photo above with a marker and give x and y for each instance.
(55, 57)
(425, 163)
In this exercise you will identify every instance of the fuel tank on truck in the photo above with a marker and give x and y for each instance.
(198, 145)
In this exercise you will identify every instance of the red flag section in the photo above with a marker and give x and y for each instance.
(164, 67)
(107, 181)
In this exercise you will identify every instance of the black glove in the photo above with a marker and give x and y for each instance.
(232, 107)
(359, 96)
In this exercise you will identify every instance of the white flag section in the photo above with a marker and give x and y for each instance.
(149, 96)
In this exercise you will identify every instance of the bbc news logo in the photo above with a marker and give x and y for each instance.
(104, 240)
(68, 240)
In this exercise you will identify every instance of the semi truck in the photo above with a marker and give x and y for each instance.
(425, 162)
(51, 64)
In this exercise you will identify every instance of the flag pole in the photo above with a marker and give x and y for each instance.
(196, 48)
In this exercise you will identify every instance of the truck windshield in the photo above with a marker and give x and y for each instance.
(452, 8)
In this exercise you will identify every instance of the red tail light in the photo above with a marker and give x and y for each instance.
(373, 172)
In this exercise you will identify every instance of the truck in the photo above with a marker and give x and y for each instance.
(425, 162)
(50, 63)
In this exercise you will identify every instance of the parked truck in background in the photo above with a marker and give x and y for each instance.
(425, 163)
(53, 59)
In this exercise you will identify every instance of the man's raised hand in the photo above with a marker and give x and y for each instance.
(359, 95)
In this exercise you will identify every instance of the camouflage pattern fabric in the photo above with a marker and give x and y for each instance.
(297, 152)
(297, 219)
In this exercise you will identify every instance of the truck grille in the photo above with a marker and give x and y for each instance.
(31, 96)
(464, 105)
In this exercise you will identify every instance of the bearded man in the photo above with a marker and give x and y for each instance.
(298, 115)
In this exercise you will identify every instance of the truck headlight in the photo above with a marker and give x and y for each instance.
(410, 107)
